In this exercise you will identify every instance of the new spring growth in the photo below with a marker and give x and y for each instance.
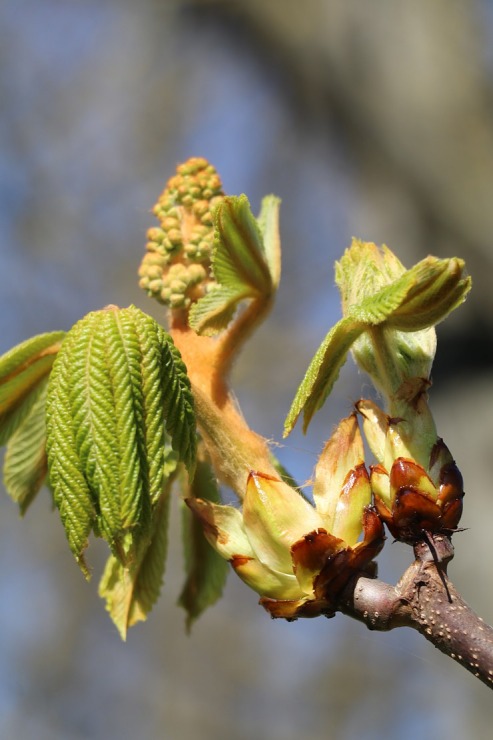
(416, 484)
(299, 557)
(388, 318)
(399, 309)
(389, 314)
(216, 266)
(176, 267)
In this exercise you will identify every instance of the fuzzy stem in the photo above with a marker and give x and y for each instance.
(240, 330)
(235, 450)
(427, 601)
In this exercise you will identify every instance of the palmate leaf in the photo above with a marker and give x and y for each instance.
(206, 570)
(244, 266)
(117, 386)
(25, 464)
(22, 369)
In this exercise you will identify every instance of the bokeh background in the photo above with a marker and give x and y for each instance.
(368, 119)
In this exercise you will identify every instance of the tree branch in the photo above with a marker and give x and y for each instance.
(427, 601)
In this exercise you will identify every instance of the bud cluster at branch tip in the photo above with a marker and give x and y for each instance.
(416, 484)
(297, 556)
(176, 267)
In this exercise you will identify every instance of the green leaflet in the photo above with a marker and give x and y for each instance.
(70, 489)
(378, 292)
(244, 266)
(21, 370)
(206, 570)
(239, 256)
(117, 385)
(214, 311)
(131, 592)
(323, 372)
(25, 465)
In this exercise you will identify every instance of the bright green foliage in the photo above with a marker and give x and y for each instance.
(323, 372)
(117, 385)
(25, 464)
(206, 570)
(22, 369)
(131, 592)
(245, 261)
(388, 319)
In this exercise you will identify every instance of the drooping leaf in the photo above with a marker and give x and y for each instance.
(179, 413)
(323, 371)
(206, 570)
(71, 492)
(22, 369)
(131, 592)
(117, 386)
(25, 464)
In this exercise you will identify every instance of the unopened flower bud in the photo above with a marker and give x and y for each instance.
(279, 544)
(183, 242)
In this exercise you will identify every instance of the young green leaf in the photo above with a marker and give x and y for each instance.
(22, 369)
(239, 256)
(323, 372)
(206, 570)
(25, 464)
(377, 291)
(71, 492)
(118, 384)
(215, 310)
(131, 592)
(242, 268)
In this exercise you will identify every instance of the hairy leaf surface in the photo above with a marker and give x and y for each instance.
(117, 389)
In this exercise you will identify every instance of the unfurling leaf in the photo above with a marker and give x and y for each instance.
(243, 265)
(117, 387)
(388, 318)
(131, 592)
(25, 464)
(22, 369)
(323, 372)
(206, 570)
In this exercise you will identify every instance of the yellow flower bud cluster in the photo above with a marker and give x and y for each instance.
(176, 267)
